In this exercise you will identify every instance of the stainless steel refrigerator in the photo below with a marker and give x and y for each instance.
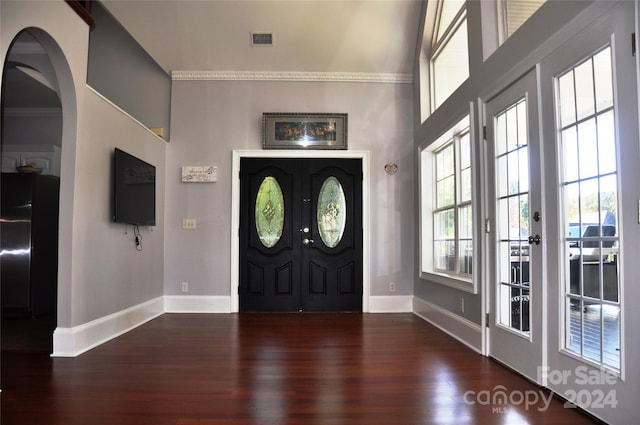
(29, 243)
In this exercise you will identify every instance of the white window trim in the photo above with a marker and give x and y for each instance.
(430, 12)
(436, 46)
(426, 154)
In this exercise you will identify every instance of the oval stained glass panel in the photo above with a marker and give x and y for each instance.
(269, 212)
(332, 212)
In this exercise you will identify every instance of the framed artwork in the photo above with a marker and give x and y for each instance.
(304, 131)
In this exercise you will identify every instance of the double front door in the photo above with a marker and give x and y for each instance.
(300, 234)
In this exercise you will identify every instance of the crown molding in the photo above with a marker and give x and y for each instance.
(351, 77)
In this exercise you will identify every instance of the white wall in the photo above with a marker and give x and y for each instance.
(212, 118)
(100, 271)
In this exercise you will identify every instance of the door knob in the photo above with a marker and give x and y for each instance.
(306, 241)
(534, 239)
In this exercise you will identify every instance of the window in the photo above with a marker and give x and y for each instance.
(502, 18)
(449, 50)
(511, 138)
(332, 212)
(590, 186)
(269, 212)
(447, 210)
(444, 57)
(513, 13)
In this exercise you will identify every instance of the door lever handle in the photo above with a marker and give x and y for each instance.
(534, 239)
(306, 241)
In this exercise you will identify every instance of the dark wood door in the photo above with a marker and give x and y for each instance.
(300, 234)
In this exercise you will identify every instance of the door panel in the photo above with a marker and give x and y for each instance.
(334, 273)
(516, 285)
(590, 107)
(268, 272)
(302, 270)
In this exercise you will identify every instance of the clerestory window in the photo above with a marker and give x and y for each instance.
(449, 51)
(513, 13)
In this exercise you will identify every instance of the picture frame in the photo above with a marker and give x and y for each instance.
(304, 130)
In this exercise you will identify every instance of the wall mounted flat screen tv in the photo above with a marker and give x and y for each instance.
(134, 190)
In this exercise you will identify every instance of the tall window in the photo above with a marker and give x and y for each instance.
(590, 185)
(449, 50)
(447, 222)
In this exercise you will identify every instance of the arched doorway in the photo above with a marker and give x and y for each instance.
(31, 145)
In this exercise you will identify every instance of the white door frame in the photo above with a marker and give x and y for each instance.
(235, 211)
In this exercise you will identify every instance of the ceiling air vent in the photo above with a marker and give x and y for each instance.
(262, 39)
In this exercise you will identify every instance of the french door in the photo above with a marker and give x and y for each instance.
(562, 188)
(300, 234)
(516, 284)
(590, 105)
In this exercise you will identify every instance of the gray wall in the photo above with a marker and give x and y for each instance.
(32, 127)
(122, 71)
(100, 272)
(212, 118)
(32, 113)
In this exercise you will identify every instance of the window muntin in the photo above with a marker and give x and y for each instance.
(447, 178)
(447, 16)
(269, 212)
(586, 112)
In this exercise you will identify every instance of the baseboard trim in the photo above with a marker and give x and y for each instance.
(197, 304)
(464, 330)
(391, 304)
(71, 342)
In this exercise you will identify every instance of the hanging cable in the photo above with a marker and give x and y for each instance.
(136, 232)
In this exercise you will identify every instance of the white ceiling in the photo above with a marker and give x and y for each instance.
(370, 36)
(316, 36)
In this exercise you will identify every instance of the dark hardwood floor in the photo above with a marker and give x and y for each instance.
(270, 368)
